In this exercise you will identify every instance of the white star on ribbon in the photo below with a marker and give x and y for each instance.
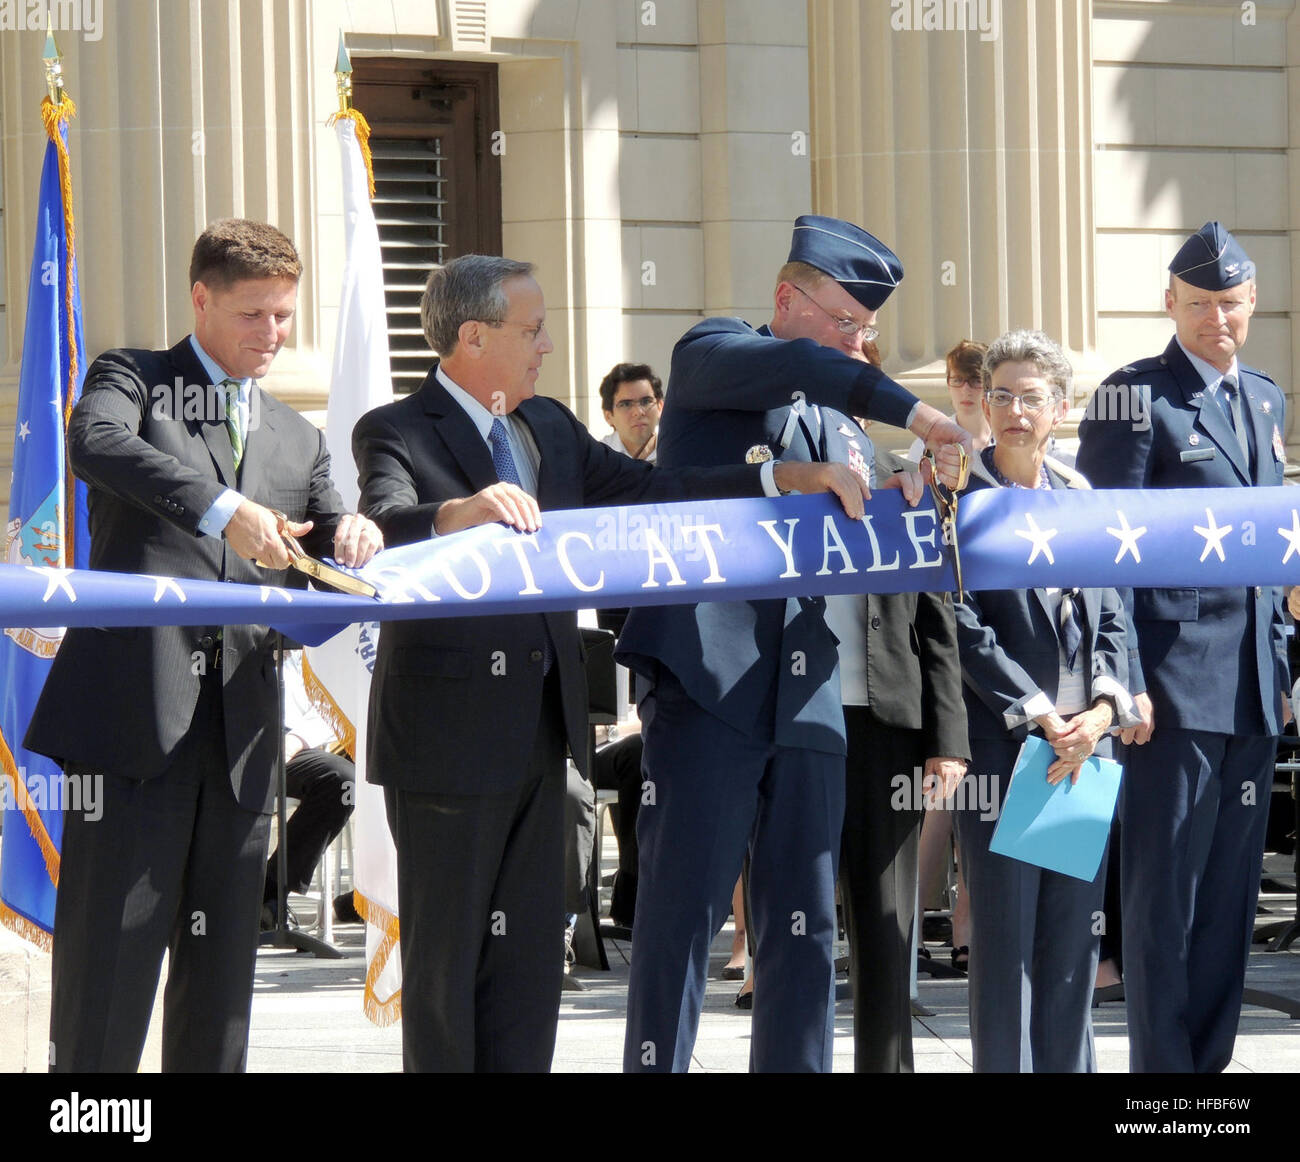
(1292, 536)
(1038, 538)
(55, 579)
(162, 585)
(267, 590)
(24, 430)
(1213, 535)
(1128, 538)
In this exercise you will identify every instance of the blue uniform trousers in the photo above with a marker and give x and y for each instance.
(1202, 799)
(710, 791)
(1033, 948)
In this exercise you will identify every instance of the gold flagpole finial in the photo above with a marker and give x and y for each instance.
(53, 63)
(343, 76)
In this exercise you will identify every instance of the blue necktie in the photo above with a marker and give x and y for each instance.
(1232, 405)
(504, 462)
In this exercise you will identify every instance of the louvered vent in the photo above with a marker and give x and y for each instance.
(411, 177)
(469, 25)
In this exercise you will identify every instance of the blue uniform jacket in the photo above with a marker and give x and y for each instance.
(769, 668)
(1210, 659)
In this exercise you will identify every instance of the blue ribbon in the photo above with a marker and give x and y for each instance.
(730, 550)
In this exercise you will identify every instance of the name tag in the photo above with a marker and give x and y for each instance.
(1194, 455)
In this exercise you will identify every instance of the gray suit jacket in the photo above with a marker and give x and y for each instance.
(122, 699)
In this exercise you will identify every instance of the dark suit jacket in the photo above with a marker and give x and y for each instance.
(122, 699)
(913, 669)
(729, 391)
(1010, 649)
(1210, 659)
(454, 702)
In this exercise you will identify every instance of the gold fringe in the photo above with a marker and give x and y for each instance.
(363, 140)
(379, 1012)
(329, 710)
(35, 824)
(52, 116)
(33, 933)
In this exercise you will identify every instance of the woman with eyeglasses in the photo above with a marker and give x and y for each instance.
(1052, 662)
(966, 389)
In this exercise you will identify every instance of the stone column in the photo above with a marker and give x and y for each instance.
(186, 112)
(969, 152)
(754, 148)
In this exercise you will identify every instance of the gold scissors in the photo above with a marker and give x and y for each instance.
(318, 571)
(945, 502)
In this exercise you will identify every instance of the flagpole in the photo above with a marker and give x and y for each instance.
(338, 674)
(53, 64)
(46, 524)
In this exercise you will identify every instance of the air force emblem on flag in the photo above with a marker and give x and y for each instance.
(36, 542)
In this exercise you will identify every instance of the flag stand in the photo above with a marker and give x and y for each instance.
(282, 936)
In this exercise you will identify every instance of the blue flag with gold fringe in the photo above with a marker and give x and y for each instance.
(46, 528)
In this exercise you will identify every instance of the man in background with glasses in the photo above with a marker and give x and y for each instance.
(631, 396)
(740, 701)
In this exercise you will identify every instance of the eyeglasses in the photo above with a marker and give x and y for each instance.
(644, 404)
(844, 326)
(531, 330)
(956, 383)
(1031, 403)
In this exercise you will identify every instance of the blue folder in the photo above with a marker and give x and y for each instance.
(1062, 828)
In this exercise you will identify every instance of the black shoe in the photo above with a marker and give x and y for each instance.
(345, 909)
(736, 972)
(745, 1000)
(268, 917)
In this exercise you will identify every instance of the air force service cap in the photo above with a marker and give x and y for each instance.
(1212, 259)
(864, 266)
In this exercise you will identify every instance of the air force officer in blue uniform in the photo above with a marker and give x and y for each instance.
(1214, 667)
(742, 721)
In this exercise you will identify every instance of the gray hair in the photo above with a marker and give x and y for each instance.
(1029, 347)
(464, 289)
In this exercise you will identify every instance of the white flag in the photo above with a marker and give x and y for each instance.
(360, 379)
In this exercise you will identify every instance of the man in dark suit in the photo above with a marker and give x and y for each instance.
(185, 457)
(469, 717)
(740, 709)
(1213, 664)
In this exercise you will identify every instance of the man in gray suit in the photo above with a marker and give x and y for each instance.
(185, 458)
